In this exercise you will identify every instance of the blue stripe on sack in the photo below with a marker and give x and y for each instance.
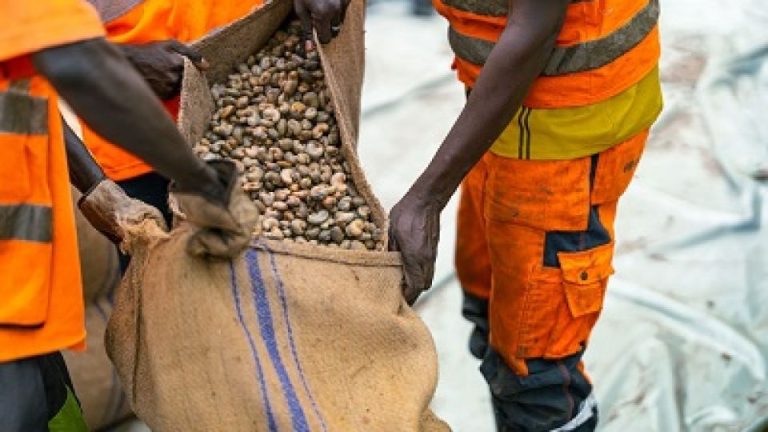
(294, 352)
(259, 371)
(264, 315)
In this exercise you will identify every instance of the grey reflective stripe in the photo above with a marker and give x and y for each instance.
(494, 8)
(577, 58)
(26, 222)
(21, 113)
(19, 86)
(110, 10)
(468, 48)
(601, 52)
(481, 7)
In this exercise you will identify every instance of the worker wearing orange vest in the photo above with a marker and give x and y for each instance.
(56, 46)
(152, 34)
(561, 94)
(148, 34)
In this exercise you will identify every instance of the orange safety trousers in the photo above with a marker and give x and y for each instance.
(522, 247)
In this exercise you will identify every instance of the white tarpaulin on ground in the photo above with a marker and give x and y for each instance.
(683, 341)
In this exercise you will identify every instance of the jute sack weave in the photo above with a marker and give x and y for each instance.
(95, 379)
(99, 265)
(93, 375)
(288, 337)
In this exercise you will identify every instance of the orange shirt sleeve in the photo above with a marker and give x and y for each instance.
(30, 26)
(148, 21)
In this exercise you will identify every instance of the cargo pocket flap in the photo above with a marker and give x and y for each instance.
(584, 277)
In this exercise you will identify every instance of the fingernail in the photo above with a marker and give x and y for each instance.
(204, 64)
(309, 46)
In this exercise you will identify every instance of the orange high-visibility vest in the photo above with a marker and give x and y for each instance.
(143, 21)
(41, 300)
(604, 47)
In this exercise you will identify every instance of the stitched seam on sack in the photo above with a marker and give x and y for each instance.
(294, 351)
(252, 345)
(137, 336)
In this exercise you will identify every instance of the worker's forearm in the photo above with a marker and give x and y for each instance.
(516, 60)
(110, 96)
(84, 172)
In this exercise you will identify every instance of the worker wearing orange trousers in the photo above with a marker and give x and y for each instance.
(153, 34)
(561, 95)
(50, 48)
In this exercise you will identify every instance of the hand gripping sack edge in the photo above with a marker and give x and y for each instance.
(287, 336)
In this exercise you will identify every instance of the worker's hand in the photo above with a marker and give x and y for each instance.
(324, 16)
(161, 64)
(414, 230)
(225, 217)
(110, 210)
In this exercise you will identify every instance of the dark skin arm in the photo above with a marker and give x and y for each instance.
(104, 90)
(84, 172)
(517, 59)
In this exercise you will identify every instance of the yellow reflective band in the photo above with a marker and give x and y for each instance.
(571, 133)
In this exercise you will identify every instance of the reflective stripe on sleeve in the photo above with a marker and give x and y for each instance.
(600, 52)
(26, 222)
(110, 10)
(480, 7)
(22, 114)
(576, 58)
(495, 8)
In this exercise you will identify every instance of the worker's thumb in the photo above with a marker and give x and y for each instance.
(195, 57)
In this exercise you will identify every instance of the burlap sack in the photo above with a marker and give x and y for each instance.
(99, 265)
(288, 337)
(93, 375)
(95, 379)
